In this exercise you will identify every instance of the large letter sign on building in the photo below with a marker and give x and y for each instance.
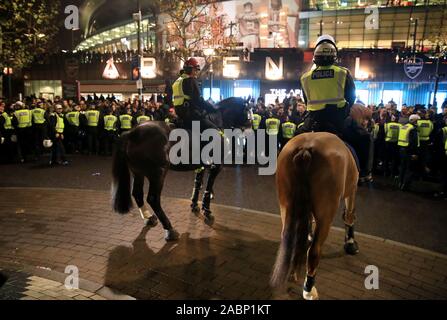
(274, 71)
(110, 71)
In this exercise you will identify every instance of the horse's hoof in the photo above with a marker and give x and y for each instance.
(351, 247)
(195, 209)
(171, 235)
(209, 218)
(152, 221)
(312, 295)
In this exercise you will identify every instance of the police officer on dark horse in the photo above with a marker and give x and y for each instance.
(144, 151)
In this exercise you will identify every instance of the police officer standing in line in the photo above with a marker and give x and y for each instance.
(39, 117)
(272, 125)
(56, 129)
(110, 128)
(442, 150)
(8, 147)
(93, 123)
(288, 129)
(425, 129)
(188, 103)
(409, 150)
(391, 159)
(72, 131)
(23, 129)
(125, 121)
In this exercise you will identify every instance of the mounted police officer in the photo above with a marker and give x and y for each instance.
(328, 90)
(188, 103)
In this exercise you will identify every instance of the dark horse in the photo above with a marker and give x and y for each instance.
(144, 152)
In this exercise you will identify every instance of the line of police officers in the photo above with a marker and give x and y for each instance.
(27, 132)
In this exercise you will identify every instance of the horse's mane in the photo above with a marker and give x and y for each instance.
(359, 113)
(231, 102)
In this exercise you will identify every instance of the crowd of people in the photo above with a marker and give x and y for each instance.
(406, 145)
(31, 128)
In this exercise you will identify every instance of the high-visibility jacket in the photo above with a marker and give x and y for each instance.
(110, 122)
(8, 123)
(404, 135)
(178, 96)
(444, 135)
(392, 131)
(60, 123)
(73, 118)
(288, 130)
(323, 86)
(425, 128)
(376, 130)
(38, 115)
(126, 121)
(272, 125)
(256, 121)
(24, 118)
(92, 118)
(142, 119)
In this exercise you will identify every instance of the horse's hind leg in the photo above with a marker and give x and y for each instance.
(322, 227)
(208, 194)
(351, 246)
(156, 180)
(198, 181)
(138, 194)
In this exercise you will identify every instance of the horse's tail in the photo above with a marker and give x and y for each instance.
(121, 193)
(294, 241)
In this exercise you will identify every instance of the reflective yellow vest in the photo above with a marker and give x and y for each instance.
(256, 121)
(392, 131)
(376, 130)
(126, 121)
(444, 134)
(60, 123)
(73, 118)
(110, 122)
(38, 115)
(288, 130)
(323, 86)
(425, 128)
(24, 118)
(8, 124)
(272, 125)
(92, 118)
(404, 135)
(142, 119)
(178, 96)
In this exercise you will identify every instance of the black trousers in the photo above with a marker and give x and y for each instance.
(109, 138)
(25, 138)
(40, 134)
(72, 139)
(408, 167)
(58, 151)
(391, 159)
(9, 149)
(188, 115)
(331, 119)
(93, 140)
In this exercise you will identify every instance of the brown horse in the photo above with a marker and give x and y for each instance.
(315, 172)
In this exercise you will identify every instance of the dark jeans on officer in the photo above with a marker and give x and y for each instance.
(408, 167)
(72, 139)
(391, 159)
(25, 138)
(40, 134)
(58, 151)
(331, 119)
(92, 140)
(109, 138)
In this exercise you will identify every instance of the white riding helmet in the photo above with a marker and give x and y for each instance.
(326, 52)
(47, 143)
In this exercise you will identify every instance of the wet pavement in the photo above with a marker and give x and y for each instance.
(410, 217)
(232, 259)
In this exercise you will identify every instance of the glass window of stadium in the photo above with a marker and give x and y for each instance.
(242, 92)
(215, 96)
(392, 95)
(362, 96)
(440, 97)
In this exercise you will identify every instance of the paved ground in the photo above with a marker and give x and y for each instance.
(230, 260)
(24, 286)
(412, 218)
